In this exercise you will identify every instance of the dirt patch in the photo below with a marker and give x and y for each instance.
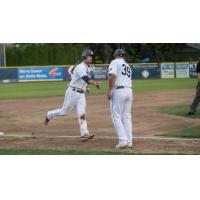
(25, 117)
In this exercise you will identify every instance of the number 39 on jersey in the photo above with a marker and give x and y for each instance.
(126, 70)
(122, 71)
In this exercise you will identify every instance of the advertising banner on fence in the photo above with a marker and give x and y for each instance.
(167, 70)
(8, 75)
(182, 70)
(145, 71)
(193, 68)
(97, 73)
(100, 73)
(66, 74)
(40, 74)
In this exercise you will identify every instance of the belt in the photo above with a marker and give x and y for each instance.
(79, 91)
(120, 87)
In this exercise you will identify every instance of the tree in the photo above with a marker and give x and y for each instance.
(29, 55)
(63, 54)
(50, 50)
(59, 54)
(42, 50)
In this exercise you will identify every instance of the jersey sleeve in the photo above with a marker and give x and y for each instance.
(81, 71)
(112, 68)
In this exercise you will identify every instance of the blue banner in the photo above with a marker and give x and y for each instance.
(100, 73)
(66, 74)
(40, 74)
(96, 73)
(8, 75)
(145, 71)
(193, 68)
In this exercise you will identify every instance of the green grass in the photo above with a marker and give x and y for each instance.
(61, 152)
(72, 152)
(164, 84)
(48, 89)
(181, 110)
(193, 132)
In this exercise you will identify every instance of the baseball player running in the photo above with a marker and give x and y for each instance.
(74, 95)
(120, 96)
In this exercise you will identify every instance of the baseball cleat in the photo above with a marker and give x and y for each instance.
(191, 113)
(121, 146)
(46, 121)
(129, 146)
(86, 137)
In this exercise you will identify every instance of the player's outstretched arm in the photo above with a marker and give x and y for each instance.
(97, 84)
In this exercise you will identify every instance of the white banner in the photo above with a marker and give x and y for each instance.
(182, 70)
(167, 70)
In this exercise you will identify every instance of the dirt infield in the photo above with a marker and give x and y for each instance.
(22, 122)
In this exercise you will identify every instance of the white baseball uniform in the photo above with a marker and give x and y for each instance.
(75, 97)
(121, 101)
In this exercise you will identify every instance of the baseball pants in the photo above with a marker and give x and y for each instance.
(120, 106)
(196, 100)
(73, 100)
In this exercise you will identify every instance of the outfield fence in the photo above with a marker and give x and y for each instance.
(98, 72)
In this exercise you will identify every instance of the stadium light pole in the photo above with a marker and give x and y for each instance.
(4, 54)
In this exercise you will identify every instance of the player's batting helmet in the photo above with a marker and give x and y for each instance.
(119, 53)
(87, 53)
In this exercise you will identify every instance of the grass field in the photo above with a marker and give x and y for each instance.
(48, 89)
(70, 152)
(181, 110)
(185, 133)
(60, 152)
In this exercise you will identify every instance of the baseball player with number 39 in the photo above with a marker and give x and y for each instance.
(121, 97)
(74, 95)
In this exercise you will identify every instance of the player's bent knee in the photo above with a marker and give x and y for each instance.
(82, 117)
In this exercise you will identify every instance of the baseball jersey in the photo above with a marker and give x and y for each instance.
(80, 71)
(120, 68)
